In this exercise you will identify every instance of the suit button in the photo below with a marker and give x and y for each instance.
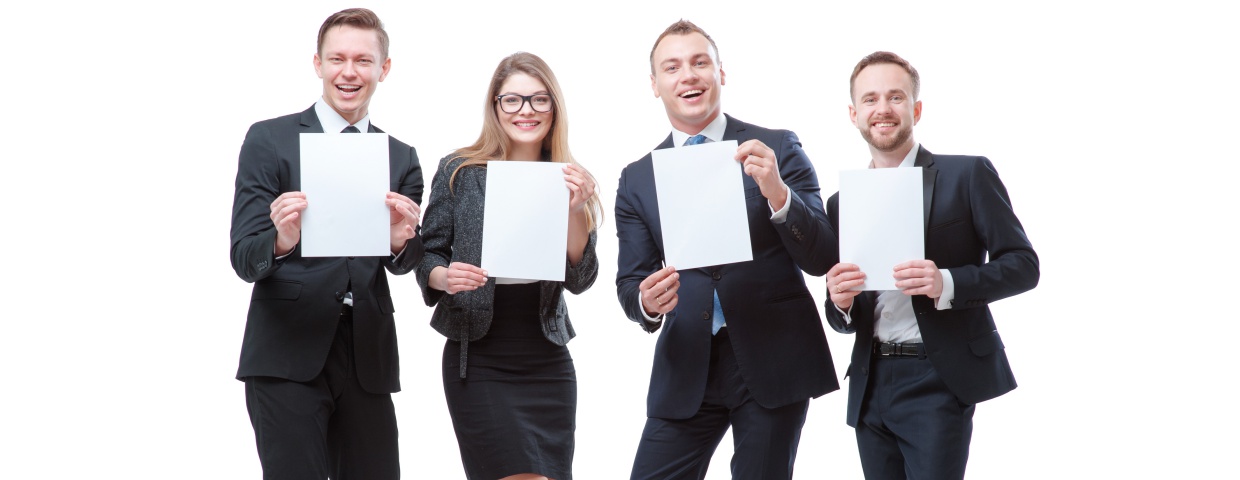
(339, 296)
(865, 371)
(716, 275)
(350, 258)
(705, 315)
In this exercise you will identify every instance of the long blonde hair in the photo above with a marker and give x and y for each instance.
(493, 143)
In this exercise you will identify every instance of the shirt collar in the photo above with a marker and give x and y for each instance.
(909, 159)
(333, 123)
(713, 131)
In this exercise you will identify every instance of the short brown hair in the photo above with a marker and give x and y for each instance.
(359, 18)
(682, 27)
(881, 57)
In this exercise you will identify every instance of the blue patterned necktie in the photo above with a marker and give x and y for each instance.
(351, 129)
(717, 320)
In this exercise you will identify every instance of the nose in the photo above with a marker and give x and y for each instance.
(350, 69)
(527, 108)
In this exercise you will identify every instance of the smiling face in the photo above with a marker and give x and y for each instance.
(687, 77)
(884, 109)
(351, 65)
(526, 128)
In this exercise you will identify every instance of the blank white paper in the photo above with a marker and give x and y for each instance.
(881, 222)
(702, 205)
(525, 227)
(345, 178)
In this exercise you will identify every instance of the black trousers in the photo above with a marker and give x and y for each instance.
(911, 425)
(764, 440)
(328, 427)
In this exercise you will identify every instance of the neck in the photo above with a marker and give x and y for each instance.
(697, 127)
(525, 152)
(353, 117)
(893, 158)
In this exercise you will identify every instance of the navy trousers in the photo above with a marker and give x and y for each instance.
(764, 440)
(911, 426)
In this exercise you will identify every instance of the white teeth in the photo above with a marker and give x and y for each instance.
(690, 92)
(885, 124)
(526, 124)
(349, 88)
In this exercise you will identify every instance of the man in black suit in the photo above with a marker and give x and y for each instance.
(319, 357)
(742, 344)
(926, 354)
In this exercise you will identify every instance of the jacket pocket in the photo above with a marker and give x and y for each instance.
(385, 304)
(277, 290)
(986, 344)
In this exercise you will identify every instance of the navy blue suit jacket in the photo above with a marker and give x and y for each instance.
(296, 301)
(968, 216)
(773, 321)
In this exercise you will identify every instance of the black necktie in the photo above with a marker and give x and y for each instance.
(351, 129)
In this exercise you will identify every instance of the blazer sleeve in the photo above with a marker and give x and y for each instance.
(410, 186)
(805, 233)
(1013, 265)
(437, 231)
(639, 254)
(578, 278)
(253, 235)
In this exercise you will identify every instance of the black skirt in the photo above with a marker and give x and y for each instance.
(516, 409)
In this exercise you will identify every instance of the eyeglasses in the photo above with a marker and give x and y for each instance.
(512, 103)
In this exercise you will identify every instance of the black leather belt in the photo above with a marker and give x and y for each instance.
(888, 349)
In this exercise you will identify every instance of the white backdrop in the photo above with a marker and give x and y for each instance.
(1113, 128)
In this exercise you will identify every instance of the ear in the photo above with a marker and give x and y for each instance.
(723, 77)
(654, 86)
(852, 114)
(916, 112)
(387, 65)
(318, 66)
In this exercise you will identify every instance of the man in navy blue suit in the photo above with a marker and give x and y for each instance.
(742, 345)
(926, 354)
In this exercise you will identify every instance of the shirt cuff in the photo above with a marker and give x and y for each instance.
(782, 214)
(847, 316)
(650, 319)
(949, 292)
(401, 252)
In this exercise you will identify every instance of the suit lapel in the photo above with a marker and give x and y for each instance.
(925, 160)
(310, 121)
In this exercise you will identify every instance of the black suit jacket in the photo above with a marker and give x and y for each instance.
(773, 321)
(968, 216)
(296, 302)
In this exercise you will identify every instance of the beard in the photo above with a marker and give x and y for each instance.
(887, 144)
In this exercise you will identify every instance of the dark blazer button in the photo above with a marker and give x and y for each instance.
(350, 258)
(716, 275)
(339, 296)
(705, 315)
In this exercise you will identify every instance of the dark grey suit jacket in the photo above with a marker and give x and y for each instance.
(452, 232)
(296, 302)
(968, 219)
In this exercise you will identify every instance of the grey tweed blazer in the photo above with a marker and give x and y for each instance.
(452, 231)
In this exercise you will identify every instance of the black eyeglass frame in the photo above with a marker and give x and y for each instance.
(524, 100)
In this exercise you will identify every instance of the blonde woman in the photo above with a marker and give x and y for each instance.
(508, 377)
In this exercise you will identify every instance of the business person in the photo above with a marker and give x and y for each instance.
(319, 357)
(508, 377)
(925, 355)
(742, 344)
